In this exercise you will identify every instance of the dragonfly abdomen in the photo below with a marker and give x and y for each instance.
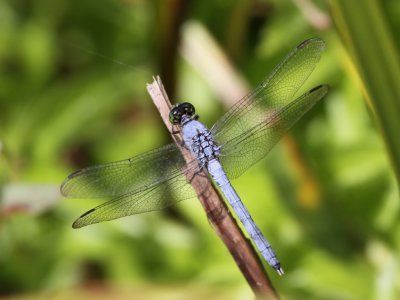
(217, 173)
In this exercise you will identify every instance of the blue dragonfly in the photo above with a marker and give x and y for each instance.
(240, 138)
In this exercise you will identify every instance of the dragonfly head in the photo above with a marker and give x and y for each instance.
(179, 110)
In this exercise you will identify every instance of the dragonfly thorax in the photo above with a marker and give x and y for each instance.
(199, 140)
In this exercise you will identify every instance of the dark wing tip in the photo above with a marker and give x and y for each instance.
(74, 174)
(307, 42)
(319, 87)
(63, 188)
(75, 226)
(78, 223)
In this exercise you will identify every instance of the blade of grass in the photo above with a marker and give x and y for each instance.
(367, 37)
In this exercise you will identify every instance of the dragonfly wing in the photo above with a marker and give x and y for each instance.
(274, 93)
(125, 176)
(155, 197)
(240, 153)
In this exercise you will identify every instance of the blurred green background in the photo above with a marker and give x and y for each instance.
(73, 80)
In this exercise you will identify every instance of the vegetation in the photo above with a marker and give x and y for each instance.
(73, 80)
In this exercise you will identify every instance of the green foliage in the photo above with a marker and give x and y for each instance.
(73, 94)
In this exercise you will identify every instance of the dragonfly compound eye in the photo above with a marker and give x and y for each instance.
(180, 109)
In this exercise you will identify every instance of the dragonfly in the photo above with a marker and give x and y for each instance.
(239, 139)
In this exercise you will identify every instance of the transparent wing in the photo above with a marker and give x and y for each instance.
(240, 153)
(156, 197)
(255, 123)
(125, 176)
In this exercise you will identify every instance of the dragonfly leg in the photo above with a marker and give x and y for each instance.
(198, 173)
(175, 131)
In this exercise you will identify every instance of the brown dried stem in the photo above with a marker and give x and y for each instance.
(217, 212)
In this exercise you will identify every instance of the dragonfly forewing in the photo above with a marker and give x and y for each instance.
(274, 93)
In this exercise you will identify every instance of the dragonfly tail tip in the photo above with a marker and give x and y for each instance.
(279, 269)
